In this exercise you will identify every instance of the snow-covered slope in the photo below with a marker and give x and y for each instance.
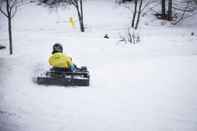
(144, 87)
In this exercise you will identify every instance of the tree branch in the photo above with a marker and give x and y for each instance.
(182, 17)
(3, 12)
(74, 2)
(14, 3)
(146, 4)
(187, 10)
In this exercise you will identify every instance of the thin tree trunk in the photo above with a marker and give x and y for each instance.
(9, 16)
(10, 34)
(170, 10)
(139, 14)
(163, 8)
(81, 18)
(80, 15)
(134, 14)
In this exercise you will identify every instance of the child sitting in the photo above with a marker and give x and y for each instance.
(60, 61)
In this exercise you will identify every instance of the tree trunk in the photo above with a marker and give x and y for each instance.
(134, 14)
(81, 25)
(9, 16)
(80, 15)
(81, 18)
(170, 10)
(139, 14)
(163, 8)
(10, 34)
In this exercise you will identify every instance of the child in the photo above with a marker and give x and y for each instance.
(60, 61)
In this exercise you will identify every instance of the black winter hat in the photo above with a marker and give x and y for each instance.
(57, 47)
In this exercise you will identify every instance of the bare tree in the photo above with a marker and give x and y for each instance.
(163, 8)
(134, 14)
(78, 4)
(137, 12)
(163, 14)
(132, 36)
(9, 8)
(79, 7)
(184, 10)
(169, 10)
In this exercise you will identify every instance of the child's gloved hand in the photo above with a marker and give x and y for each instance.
(73, 68)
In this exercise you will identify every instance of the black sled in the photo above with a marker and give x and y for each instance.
(65, 78)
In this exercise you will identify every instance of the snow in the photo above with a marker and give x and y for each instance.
(150, 86)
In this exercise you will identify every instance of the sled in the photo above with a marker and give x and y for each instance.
(65, 78)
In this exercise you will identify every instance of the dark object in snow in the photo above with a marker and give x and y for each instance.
(64, 78)
(106, 36)
(192, 33)
(123, 1)
(2, 47)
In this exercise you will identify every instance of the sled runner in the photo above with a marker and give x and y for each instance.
(65, 78)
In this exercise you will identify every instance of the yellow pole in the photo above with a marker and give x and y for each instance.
(71, 22)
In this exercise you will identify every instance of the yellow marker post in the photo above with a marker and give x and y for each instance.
(71, 22)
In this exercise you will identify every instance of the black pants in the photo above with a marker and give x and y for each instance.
(58, 69)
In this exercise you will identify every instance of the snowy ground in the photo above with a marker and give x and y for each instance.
(150, 86)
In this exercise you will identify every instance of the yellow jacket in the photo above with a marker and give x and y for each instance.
(60, 60)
